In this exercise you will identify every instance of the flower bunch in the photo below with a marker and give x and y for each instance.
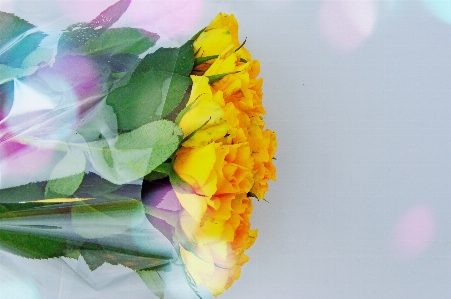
(111, 153)
(226, 156)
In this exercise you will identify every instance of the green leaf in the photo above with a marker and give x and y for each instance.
(18, 38)
(196, 130)
(120, 41)
(67, 175)
(12, 27)
(166, 168)
(162, 171)
(99, 124)
(125, 237)
(200, 60)
(114, 218)
(212, 79)
(135, 154)
(147, 97)
(92, 258)
(195, 36)
(24, 193)
(63, 187)
(31, 245)
(121, 67)
(172, 116)
(8, 73)
(154, 282)
(37, 57)
(116, 232)
(184, 111)
(74, 37)
(155, 89)
(96, 258)
(30, 239)
(73, 254)
(77, 35)
(95, 186)
(174, 60)
(154, 175)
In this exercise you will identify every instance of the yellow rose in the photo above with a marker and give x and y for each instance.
(220, 242)
(241, 86)
(264, 169)
(199, 167)
(228, 157)
(242, 89)
(218, 36)
(216, 168)
(206, 113)
(224, 64)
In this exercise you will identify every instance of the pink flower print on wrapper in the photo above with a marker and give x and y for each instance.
(39, 111)
(20, 163)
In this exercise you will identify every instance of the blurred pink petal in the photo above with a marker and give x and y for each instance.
(77, 75)
(27, 161)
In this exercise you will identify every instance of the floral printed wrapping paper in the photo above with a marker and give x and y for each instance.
(130, 163)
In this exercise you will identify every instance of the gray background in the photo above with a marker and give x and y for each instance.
(361, 208)
(358, 93)
(362, 203)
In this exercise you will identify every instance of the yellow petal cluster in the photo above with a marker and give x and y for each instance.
(227, 156)
(221, 240)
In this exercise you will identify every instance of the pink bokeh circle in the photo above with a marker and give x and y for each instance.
(169, 18)
(414, 232)
(346, 25)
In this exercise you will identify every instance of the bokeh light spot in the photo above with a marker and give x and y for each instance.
(414, 232)
(347, 24)
(18, 290)
(440, 8)
(168, 18)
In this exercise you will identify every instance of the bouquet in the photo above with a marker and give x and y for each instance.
(114, 154)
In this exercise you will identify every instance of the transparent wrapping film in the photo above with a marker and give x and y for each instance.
(126, 167)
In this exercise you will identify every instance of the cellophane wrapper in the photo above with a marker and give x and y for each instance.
(55, 124)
